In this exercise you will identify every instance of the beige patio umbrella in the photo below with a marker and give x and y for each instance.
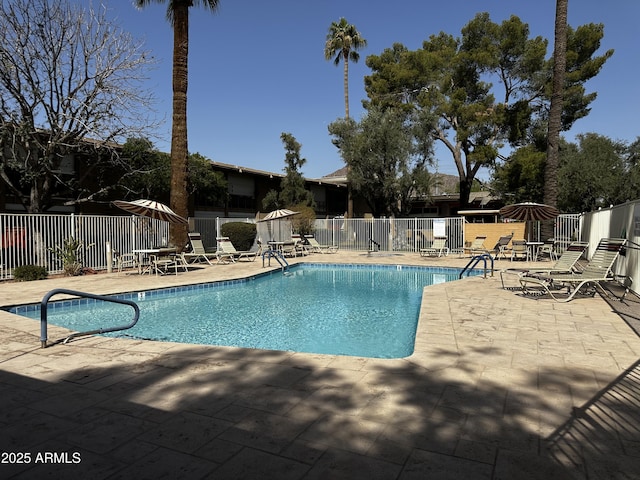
(152, 209)
(278, 215)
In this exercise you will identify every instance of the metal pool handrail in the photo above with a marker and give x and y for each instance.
(45, 302)
(474, 261)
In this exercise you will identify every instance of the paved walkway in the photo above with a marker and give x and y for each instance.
(499, 387)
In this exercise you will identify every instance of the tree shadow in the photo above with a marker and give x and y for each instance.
(198, 412)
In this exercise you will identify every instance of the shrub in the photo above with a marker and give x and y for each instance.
(68, 254)
(303, 223)
(27, 273)
(241, 234)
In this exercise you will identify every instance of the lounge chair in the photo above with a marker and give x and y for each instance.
(501, 247)
(316, 247)
(519, 249)
(227, 248)
(198, 252)
(437, 249)
(477, 246)
(597, 270)
(565, 264)
(300, 244)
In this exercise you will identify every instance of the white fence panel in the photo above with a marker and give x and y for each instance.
(28, 239)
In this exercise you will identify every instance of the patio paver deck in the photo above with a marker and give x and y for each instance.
(499, 387)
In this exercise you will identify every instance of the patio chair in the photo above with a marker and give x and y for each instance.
(477, 246)
(125, 260)
(228, 249)
(198, 252)
(519, 249)
(437, 249)
(165, 260)
(316, 247)
(565, 264)
(548, 249)
(300, 244)
(597, 270)
(500, 247)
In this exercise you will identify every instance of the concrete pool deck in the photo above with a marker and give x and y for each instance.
(499, 387)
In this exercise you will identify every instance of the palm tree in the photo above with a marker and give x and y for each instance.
(343, 41)
(178, 16)
(555, 111)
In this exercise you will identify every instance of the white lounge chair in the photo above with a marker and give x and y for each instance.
(597, 270)
(316, 247)
(477, 246)
(198, 252)
(565, 264)
(437, 249)
(227, 248)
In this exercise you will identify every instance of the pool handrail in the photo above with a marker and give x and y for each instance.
(474, 261)
(271, 253)
(45, 302)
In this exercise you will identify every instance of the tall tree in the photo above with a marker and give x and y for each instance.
(555, 111)
(386, 159)
(594, 173)
(178, 16)
(449, 80)
(343, 43)
(67, 74)
(292, 187)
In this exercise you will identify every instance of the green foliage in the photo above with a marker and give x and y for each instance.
(303, 223)
(152, 175)
(450, 82)
(241, 234)
(152, 178)
(27, 273)
(208, 186)
(592, 174)
(292, 187)
(69, 255)
(387, 165)
(521, 177)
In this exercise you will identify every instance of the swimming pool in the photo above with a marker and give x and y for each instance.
(359, 310)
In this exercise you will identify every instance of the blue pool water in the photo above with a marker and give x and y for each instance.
(361, 310)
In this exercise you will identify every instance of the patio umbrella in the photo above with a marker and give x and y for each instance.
(278, 215)
(152, 209)
(529, 212)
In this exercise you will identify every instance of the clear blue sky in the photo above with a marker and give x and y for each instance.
(257, 69)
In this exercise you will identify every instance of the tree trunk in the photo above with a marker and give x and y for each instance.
(179, 147)
(555, 113)
(346, 84)
(346, 113)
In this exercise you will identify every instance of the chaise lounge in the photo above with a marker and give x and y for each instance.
(597, 270)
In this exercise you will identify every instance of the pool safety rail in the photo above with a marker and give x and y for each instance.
(474, 261)
(45, 302)
(270, 253)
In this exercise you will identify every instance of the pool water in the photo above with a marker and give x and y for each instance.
(360, 310)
